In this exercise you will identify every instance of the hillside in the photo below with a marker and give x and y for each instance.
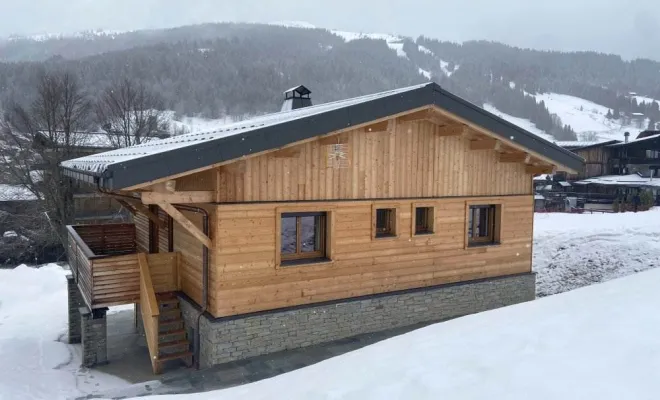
(236, 70)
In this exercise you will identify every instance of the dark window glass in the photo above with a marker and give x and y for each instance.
(481, 224)
(423, 220)
(385, 222)
(302, 236)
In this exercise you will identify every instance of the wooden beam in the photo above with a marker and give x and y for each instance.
(127, 206)
(515, 157)
(416, 116)
(485, 144)
(137, 206)
(235, 168)
(289, 152)
(186, 223)
(539, 169)
(178, 197)
(377, 127)
(451, 130)
(334, 139)
(170, 186)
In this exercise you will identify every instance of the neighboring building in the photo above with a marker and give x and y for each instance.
(641, 155)
(621, 185)
(596, 155)
(306, 226)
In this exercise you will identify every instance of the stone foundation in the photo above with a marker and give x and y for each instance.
(75, 303)
(233, 338)
(94, 336)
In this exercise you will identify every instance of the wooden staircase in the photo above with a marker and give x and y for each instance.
(162, 321)
(173, 343)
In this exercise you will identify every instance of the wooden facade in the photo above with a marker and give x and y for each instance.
(413, 165)
(597, 162)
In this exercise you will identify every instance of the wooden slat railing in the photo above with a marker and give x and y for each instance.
(149, 309)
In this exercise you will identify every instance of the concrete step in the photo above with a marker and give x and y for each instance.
(172, 325)
(179, 346)
(169, 315)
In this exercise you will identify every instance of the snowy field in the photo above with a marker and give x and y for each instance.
(598, 342)
(563, 337)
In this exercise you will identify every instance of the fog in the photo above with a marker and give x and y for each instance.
(615, 26)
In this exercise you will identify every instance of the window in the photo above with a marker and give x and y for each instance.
(482, 225)
(423, 220)
(385, 222)
(303, 237)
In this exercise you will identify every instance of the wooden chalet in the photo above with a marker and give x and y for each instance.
(313, 224)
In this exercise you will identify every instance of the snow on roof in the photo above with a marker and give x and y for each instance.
(576, 143)
(98, 162)
(542, 177)
(564, 184)
(632, 180)
(10, 192)
(539, 197)
(650, 137)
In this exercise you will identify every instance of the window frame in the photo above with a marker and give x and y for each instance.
(394, 221)
(321, 259)
(495, 224)
(430, 219)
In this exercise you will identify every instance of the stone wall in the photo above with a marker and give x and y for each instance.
(228, 339)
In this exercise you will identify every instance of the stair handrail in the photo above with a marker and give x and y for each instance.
(149, 310)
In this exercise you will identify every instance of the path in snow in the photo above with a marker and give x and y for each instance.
(575, 250)
(35, 361)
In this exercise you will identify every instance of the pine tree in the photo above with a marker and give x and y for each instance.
(609, 114)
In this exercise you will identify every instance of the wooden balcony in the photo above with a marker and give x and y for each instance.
(105, 264)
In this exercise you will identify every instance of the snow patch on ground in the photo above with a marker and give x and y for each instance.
(521, 122)
(393, 42)
(426, 73)
(423, 49)
(587, 117)
(598, 342)
(35, 361)
(444, 66)
(644, 99)
(294, 24)
(575, 250)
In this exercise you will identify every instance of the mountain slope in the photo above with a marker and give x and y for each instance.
(219, 70)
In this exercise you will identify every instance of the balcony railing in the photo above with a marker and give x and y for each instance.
(104, 262)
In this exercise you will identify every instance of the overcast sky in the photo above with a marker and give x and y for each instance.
(625, 27)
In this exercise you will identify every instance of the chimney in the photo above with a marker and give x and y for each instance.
(626, 136)
(296, 97)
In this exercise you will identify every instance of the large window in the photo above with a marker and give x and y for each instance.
(482, 225)
(303, 237)
(385, 222)
(423, 220)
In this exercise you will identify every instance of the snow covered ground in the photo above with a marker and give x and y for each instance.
(393, 42)
(521, 122)
(35, 361)
(527, 348)
(574, 250)
(588, 118)
(598, 342)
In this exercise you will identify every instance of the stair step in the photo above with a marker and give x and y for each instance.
(168, 326)
(171, 336)
(167, 348)
(175, 356)
(169, 315)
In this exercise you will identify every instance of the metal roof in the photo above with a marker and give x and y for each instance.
(143, 163)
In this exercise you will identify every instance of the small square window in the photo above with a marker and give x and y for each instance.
(482, 225)
(423, 220)
(385, 222)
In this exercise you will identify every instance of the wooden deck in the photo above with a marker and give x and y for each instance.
(104, 262)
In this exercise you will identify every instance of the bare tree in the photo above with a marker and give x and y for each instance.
(130, 113)
(36, 138)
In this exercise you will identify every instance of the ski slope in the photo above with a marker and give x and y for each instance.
(521, 122)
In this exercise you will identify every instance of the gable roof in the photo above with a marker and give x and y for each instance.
(143, 163)
(577, 145)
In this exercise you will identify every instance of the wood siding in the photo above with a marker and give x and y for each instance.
(412, 161)
(141, 232)
(190, 257)
(596, 163)
(248, 279)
